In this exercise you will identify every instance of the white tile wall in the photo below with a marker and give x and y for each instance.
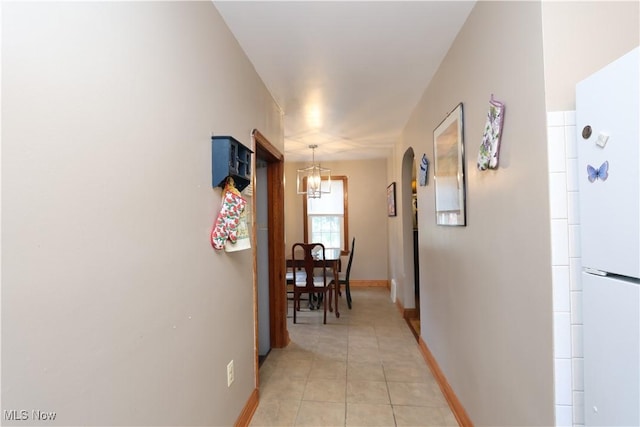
(561, 291)
(573, 208)
(557, 156)
(555, 119)
(575, 274)
(563, 382)
(559, 242)
(572, 174)
(558, 199)
(564, 415)
(566, 268)
(576, 341)
(576, 308)
(578, 407)
(574, 241)
(562, 338)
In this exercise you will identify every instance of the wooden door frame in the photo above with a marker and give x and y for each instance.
(279, 335)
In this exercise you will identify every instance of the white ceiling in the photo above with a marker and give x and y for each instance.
(347, 75)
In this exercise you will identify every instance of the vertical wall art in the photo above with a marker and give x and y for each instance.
(448, 147)
(490, 147)
(391, 199)
(423, 172)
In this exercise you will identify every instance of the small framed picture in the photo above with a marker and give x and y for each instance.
(391, 199)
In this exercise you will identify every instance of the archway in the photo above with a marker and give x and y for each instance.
(411, 290)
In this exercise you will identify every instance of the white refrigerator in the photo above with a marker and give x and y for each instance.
(608, 141)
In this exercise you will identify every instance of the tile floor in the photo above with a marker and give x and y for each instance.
(363, 369)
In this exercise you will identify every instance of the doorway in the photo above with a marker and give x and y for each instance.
(262, 254)
(410, 241)
(270, 309)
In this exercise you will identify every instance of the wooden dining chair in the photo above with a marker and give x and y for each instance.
(343, 279)
(290, 280)
(309, 275)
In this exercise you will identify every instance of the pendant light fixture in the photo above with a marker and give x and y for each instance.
(310, 179)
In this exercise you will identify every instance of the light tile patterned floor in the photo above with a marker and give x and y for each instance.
(363, 369)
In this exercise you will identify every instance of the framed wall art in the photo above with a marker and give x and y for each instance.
(449, 173)
(391, 199)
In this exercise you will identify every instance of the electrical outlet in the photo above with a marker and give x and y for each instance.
(230, 374)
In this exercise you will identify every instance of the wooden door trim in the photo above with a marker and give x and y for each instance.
(277, 292)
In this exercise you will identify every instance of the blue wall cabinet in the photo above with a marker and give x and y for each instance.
(230, 158)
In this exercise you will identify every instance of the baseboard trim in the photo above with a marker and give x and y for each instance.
(410, 313)
(407, 313)
(249, 409)
(369, 283)
(454, 403)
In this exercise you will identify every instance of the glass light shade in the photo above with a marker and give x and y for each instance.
(314, 181)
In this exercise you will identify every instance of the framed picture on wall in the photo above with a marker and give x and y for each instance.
(448, 147)
(391, 199)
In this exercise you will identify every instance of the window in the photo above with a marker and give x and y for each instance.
(326, 229)
(326, 219)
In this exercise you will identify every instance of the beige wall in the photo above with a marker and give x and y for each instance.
(580, 37)
(486, 289)
(367, 213)
(115, 308)
(485, 296)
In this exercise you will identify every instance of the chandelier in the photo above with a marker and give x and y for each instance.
(310, 179)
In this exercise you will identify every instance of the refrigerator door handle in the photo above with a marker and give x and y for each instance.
(594, 271)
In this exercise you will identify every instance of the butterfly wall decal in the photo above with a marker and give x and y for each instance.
(601, 173)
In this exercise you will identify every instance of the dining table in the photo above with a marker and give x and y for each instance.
(332, 261)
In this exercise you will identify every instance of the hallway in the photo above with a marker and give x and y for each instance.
(363, 369)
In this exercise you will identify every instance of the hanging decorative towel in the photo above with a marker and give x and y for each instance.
(243, 241)
(226, 225)
(424, 170)
(490, 147)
